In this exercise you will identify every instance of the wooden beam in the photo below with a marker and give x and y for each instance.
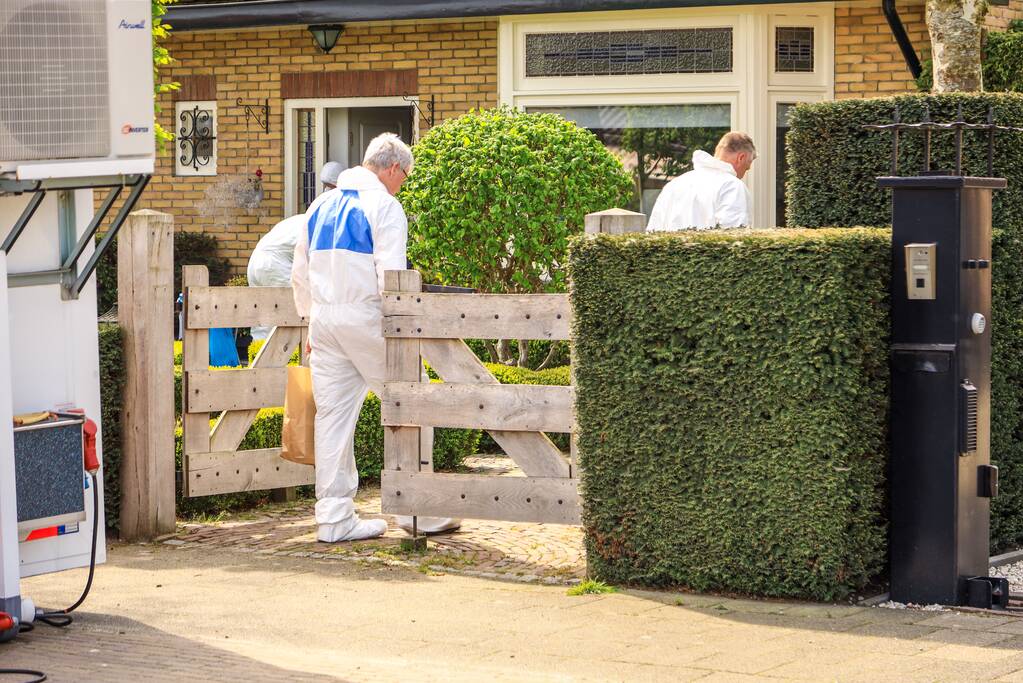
(510, 407)
(243, 307)
(195, 355)
(232, 426)
(145, 295)
(403, 443)
(534, 452)
(477, 316)
(258, 470)
(472, 496)
(250, 389)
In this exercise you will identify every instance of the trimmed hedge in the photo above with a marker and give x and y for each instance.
(731, 400)
(833, 165)
(111, 391)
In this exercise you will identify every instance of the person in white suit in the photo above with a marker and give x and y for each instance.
(712, 195)
(352, 236)
(271, 261)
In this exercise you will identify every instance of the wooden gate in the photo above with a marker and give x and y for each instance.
(211, 460)
(425, 326)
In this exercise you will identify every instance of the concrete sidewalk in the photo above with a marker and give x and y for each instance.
(164, 613)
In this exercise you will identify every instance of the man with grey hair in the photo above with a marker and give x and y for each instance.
(351, 237)
(712, 195)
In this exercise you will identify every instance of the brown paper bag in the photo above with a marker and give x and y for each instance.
(298, 442)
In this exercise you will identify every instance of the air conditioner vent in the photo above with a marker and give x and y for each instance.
(54, 96)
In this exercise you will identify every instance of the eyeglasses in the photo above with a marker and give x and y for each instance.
(404, 173)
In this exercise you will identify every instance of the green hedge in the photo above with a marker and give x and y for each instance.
(731, 400)
(111, 391)
(833, 165)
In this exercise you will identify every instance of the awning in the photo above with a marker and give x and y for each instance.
(226, 15)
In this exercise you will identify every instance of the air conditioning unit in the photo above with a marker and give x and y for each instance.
(76, 88)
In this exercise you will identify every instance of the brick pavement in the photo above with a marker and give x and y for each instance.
(545, 553)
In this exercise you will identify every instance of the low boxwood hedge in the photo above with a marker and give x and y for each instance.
(731, 400)
(833, 166)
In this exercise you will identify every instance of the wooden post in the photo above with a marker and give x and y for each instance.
(403, 446)
(145, 305)
(615, 222)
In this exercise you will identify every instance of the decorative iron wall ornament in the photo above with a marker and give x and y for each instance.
(414, 101)
(196, 136)
(253, 111)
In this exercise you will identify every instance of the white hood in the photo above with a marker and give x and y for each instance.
(709, 196)
(705, 162)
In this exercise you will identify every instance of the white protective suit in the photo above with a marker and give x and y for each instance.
(709, 196)
(353, 235)
(271, 260)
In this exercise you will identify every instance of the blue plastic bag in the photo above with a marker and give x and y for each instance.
(223, 352)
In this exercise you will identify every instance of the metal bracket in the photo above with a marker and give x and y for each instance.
(252, 110)
(72, 280)
(414, 101)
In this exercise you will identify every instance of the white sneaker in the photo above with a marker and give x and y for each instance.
(429, 525)
(363, 529)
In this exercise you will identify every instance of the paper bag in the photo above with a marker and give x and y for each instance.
(298, 442)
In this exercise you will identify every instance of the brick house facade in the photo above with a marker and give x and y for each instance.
(474, 63)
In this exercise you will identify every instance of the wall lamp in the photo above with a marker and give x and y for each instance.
(326, 35)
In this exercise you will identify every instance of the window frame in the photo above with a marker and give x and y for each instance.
(187, 171)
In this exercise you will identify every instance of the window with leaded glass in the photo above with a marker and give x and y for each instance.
(793, 49)
(614, 53)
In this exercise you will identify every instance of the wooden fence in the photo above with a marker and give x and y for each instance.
(211, 460)
(417, 326)
(425, 326)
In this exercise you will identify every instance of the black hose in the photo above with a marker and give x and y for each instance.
(62, 618)
(39, 675)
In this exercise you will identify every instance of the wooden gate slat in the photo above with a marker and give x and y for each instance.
(195, 355)
(513, 499)
(256, 470)
(534, 452)
(474, 406)
(232, 426)
(477, 316)
(243, 307)
(218, 390)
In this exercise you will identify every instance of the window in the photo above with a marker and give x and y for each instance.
(793, 49)
(306, 159)
(196, 139)
(781, 163)
(655, 143)
(608, 53)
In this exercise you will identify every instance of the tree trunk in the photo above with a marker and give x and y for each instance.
(955, 28)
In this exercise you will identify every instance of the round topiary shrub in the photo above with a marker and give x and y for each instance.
(496, 194)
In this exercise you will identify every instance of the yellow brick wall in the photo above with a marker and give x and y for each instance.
(456, 61)
(868, 62)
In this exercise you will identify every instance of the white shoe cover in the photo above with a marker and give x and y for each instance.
(429, 525)
(363, 529)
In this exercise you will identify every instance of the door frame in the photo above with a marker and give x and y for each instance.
(319, 107)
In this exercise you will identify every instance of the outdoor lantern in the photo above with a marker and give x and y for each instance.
(326, 35)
